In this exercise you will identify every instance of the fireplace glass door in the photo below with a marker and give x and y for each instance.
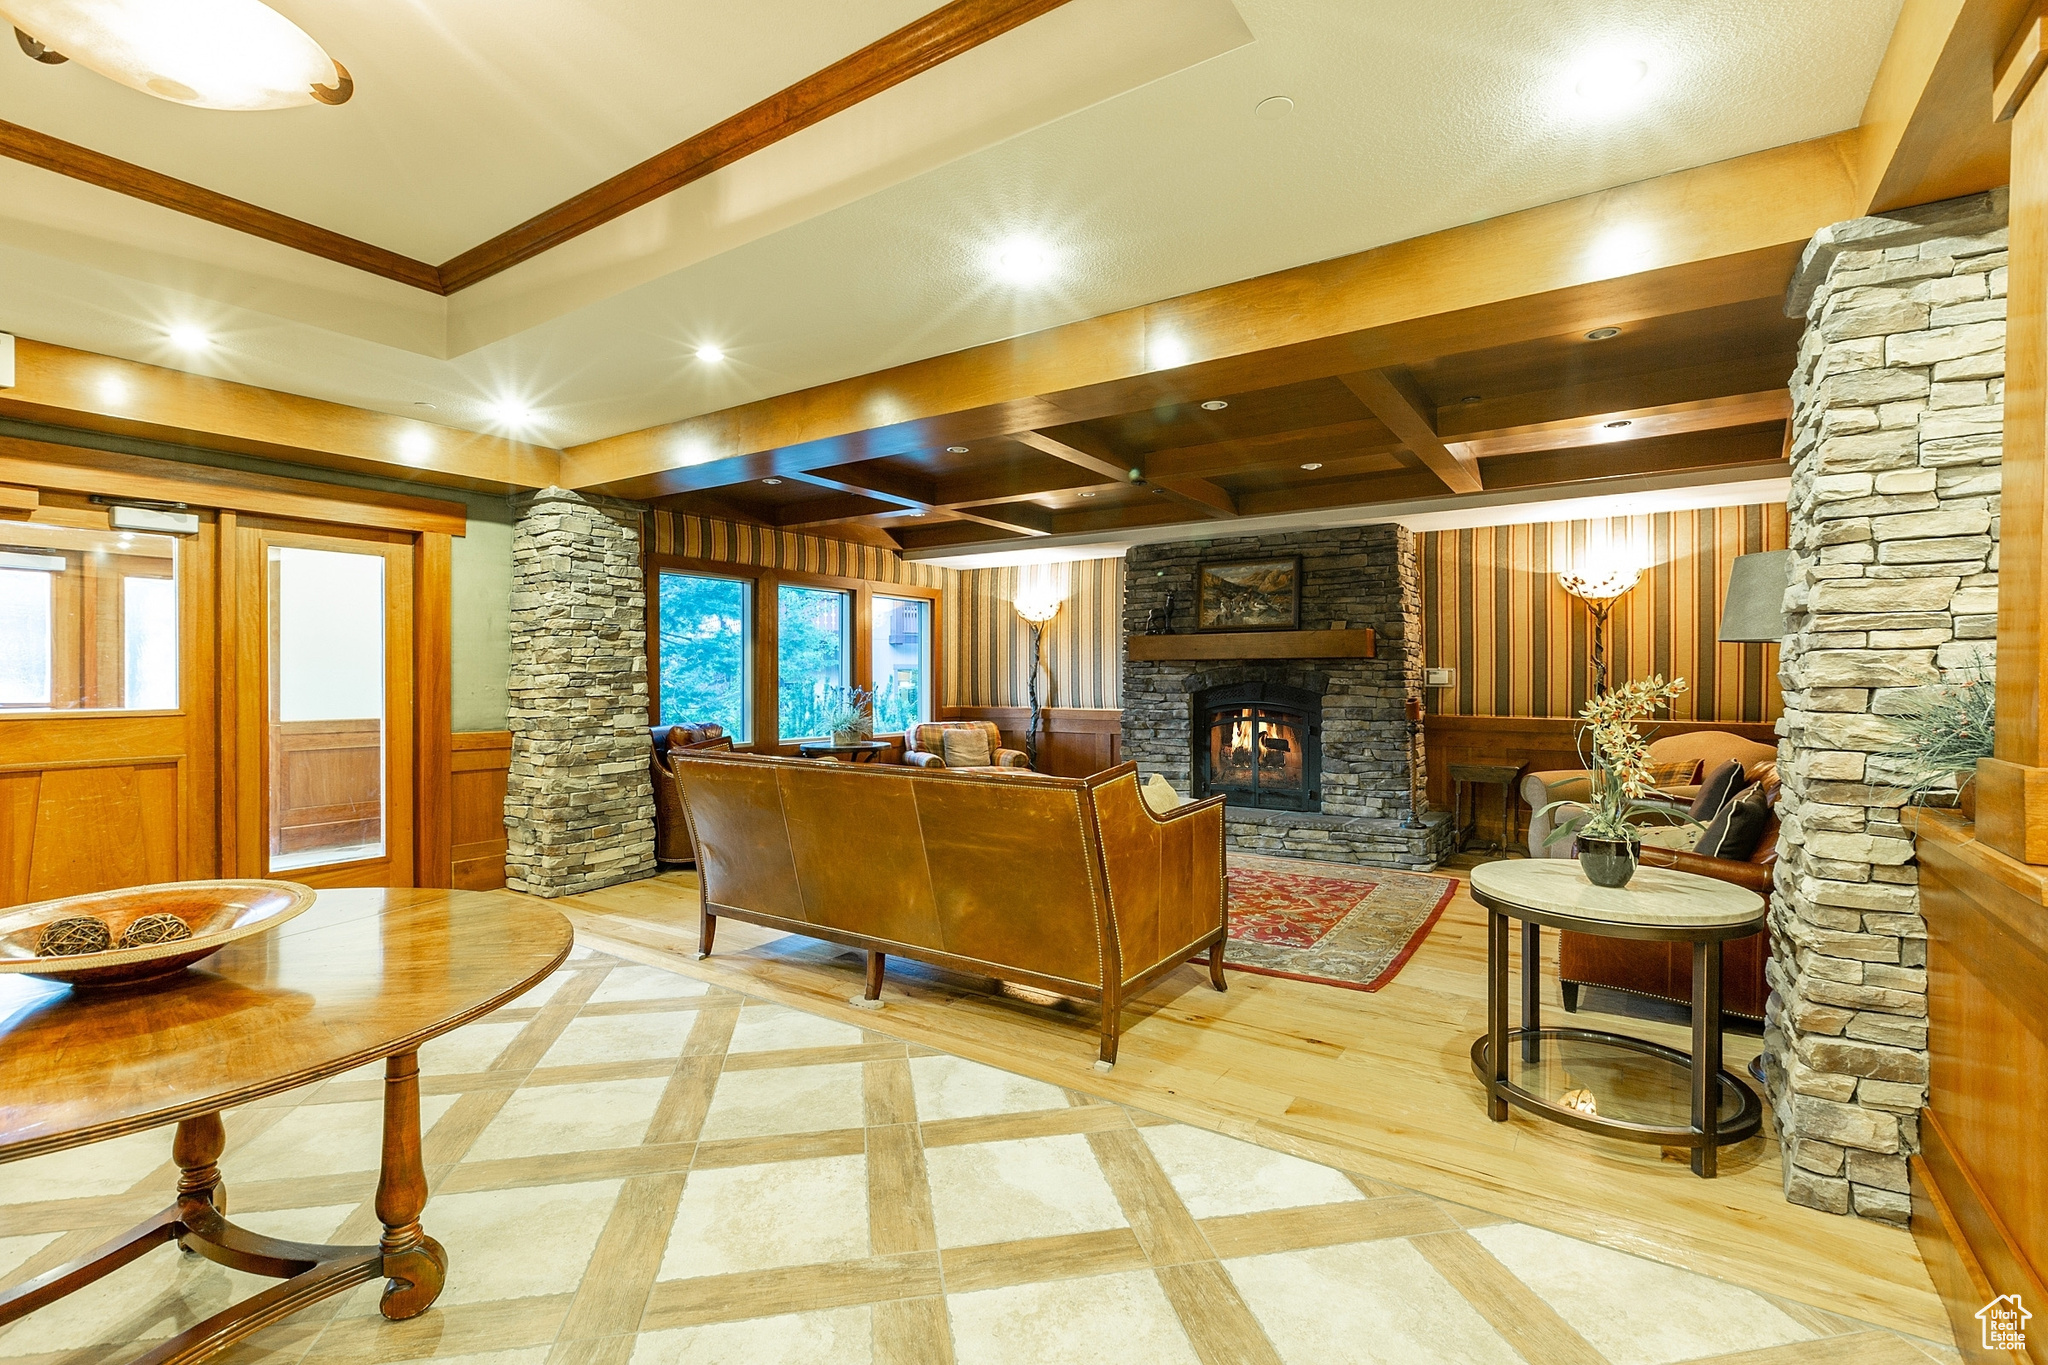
(1256, 756)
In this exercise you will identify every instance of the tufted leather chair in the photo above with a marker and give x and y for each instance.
(922, 747)
(671, 826)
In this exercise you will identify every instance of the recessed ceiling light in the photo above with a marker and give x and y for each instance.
(1214, 405)
(510, 412)
(1603, 333)
(710, 355)
(1603, 80)
(422, 403)
(1274, 106)
(1313, 464)
(1087, 495)
(186, 337)
(224, 54)
(1022, 262)
(956, 450)
(415, 445)
(771, 482)
(113, 389)
(1471, 398)
(1617, 426)
(1169, 353)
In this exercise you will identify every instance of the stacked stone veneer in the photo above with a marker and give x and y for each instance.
(1366, 576)
(1897, 415)
(579, 813)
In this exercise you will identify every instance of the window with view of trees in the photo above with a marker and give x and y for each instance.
(814, 652)
(902, 662)
(704, 652)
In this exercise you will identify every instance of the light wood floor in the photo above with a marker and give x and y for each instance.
(1379, 1084)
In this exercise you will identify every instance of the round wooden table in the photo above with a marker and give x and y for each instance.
(860, 751)
(363, 975)
(1657, 904)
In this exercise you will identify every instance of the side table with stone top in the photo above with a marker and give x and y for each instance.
(1658, 904)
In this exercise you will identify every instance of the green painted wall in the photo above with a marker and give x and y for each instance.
(480, 566)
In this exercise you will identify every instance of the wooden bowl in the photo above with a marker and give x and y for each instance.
(218, 913)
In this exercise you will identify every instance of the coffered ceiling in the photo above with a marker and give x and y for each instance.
(1121, 134)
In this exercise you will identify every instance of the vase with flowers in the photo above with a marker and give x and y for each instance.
(1608, 841)
(852, 715)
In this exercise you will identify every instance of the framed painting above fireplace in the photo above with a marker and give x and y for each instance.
(1249, 594)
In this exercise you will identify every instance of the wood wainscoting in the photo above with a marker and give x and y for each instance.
(1072, 741)
(480, 762)
(1544, 743)
(329, 777)
(1980, 1195)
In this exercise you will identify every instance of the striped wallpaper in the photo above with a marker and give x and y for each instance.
(1521, 646)
(988, 649)
(739, 542)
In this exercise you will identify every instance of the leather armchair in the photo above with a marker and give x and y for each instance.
(671, 824)
(922, 747)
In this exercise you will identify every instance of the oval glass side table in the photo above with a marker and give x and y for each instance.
(1682, 1100)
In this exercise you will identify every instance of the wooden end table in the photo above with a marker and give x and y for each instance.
(1505, 775)
(1657, 904)
(362, 975)
(860, 751)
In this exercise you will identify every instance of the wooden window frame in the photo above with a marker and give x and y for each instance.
(764, 636)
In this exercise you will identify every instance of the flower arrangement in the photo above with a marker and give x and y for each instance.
(1619, 762)
(1946, 728)
(851, 713)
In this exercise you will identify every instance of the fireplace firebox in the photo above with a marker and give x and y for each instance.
(1259, 745)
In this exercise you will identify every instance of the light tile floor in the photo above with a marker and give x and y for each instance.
(636, 1168)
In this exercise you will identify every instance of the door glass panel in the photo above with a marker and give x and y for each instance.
(813, 656)
(327, 799)
(88, 619)
(902, 655)
(25, 641)
(704, 652)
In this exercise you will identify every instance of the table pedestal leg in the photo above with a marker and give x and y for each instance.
(1497, 1013)
(1532, 990)
(196, 1149)
(414, 1263)
(1706, 1057)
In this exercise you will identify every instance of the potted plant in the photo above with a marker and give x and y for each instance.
(852, 715)
(1944, 730)
(1608, 843)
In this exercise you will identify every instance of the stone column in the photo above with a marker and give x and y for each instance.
(1897, 415)
(579, 813)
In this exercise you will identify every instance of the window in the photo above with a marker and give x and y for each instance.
(26, 641)
(902, 655)
(149, 655)
(327, 707)
(814, 657)
(703, 646)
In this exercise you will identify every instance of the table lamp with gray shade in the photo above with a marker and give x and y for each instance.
(1755, 610)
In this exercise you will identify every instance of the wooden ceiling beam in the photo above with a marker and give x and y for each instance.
(983, 488)
(1393, 397)
(1927, 125)
(1633, 424)
(1762, 445)
(1524, 276)
(1338, 440)
(826, 510)
(1211, 500)
(1097, 459)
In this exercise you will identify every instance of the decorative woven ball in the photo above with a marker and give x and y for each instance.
(155, 929)
(69, 937)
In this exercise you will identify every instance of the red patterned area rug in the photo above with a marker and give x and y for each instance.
(1331, 923)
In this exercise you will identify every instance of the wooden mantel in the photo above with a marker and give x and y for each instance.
(1255, 644)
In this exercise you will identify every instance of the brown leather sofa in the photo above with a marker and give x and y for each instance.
(921, 745)
(1664, 970)
(671, 834)
(1069, 884)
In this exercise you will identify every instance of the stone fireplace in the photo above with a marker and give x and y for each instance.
(1314, 757)
(1259, 745)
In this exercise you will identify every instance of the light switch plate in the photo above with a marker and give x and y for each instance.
(1439, 677)
(6, 361)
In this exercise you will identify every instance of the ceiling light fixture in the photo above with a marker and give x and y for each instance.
(511, 412)
(1313, 465)
(415, 445)
(1617, 426)
(1603, 333)
(1214, 405)
(211, 54)
(1022, 262)
(956, 450)
(1604, 80)
(1087, 495)
(1471, 398)
(423, 403)
(1273, 107)
(188, 338)
(1169, 353)
(710, 354)
(771, 482)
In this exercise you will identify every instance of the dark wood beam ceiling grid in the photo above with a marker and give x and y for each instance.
(1394, 399)
(930, 41)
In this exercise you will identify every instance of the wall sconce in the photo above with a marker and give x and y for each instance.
(1036, 608)
(1599, 587)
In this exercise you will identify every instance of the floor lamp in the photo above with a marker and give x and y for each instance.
(1036, 612)
(1599, 589)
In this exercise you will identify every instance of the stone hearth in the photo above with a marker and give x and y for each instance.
(1355, 577)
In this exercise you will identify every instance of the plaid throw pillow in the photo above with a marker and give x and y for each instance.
(1681, 774)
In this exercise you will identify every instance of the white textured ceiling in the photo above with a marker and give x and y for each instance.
(1407, 119)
